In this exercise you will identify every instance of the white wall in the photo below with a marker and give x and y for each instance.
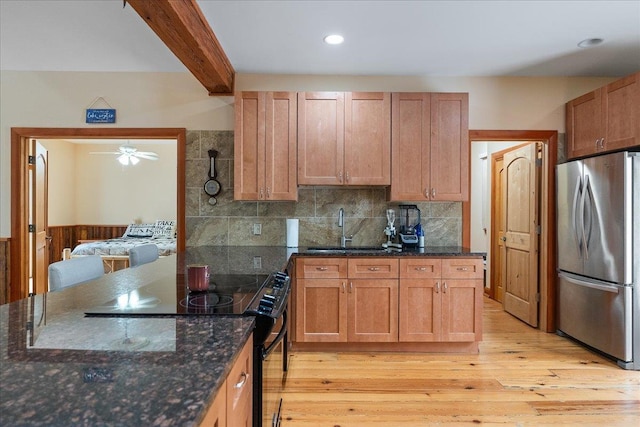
(58, 99)
(89, 189)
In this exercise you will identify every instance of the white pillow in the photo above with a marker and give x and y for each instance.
(140, 230)
(164, 229)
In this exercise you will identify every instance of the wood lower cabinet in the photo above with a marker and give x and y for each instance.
(344, 138)
(232, 406)
(265, 142)
(440, 300)
(606, 119)
(430, 147)
(346, 300)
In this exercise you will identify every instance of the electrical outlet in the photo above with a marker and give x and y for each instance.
(257, 229)
(257, 262)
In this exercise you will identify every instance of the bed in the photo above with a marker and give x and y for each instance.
(115, 252)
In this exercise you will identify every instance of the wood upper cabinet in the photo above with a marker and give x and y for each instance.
(344, 138)
(605, 119)
(265, 146)
(440, 300)
(430, 147)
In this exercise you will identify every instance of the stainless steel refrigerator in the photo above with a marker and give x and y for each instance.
(599, 254)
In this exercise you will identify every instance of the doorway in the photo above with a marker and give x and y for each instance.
(20, 170)
(547, 237)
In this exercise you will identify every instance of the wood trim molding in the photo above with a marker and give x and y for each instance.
(548, 213)
(186, 32)
(19, 284)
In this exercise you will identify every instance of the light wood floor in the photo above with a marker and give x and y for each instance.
(521, 377)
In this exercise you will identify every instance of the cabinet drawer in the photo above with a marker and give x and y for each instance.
(420, 268)
(462, 268)
(370, 268)
(319, 268)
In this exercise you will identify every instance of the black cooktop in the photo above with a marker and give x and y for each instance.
(227, 295)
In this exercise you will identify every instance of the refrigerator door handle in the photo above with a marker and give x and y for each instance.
(588, 224)
(583, 199)
(601, 286)
(576, 214)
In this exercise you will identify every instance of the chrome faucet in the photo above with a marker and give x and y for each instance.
(344, 239)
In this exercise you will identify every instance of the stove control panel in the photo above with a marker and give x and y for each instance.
(271, 299)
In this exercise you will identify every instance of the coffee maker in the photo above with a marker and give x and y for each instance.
(409, 226)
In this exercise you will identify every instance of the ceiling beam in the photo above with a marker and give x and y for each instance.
(181, 25)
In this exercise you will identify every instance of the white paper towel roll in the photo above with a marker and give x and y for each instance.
(292, 233)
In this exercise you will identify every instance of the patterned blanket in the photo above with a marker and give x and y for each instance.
(121, 246)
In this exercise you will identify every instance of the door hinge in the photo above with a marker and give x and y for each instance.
(538, 297)
(32, 228)
(538, 229)
(31, 160)
(539, 163)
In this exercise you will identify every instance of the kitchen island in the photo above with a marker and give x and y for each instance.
(59, 367)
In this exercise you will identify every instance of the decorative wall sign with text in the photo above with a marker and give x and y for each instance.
(101, 115)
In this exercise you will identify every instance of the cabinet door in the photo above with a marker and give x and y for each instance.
(411, 146)
(367, 138)
(621, 111)
(321, 310)
(450, 146)
(280, 146)
(320, 138)
(216, 415)
(420, 310)
(249, 148)
(461, 310)
(240, 389)
(373, 310)
(584, 124)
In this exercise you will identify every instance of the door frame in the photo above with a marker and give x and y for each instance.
(549, 139)
(19, 279)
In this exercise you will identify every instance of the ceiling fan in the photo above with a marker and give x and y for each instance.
(128, 154)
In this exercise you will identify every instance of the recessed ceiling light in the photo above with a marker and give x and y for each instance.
(590, 42)
(333, 39)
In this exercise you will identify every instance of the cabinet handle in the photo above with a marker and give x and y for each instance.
(601, 142)
(374, 268)
(350, 287)
(426, 193)
(347, 178)
(444, 287)
(340, 176)
(243, 381)
(433, 193)
(437, 287)
(268, 193)
(421, 268)
(344, 288)
(462, 269)
(261, 193)
(321, 268)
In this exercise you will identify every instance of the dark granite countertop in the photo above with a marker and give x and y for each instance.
(431, 251)
(60, 368)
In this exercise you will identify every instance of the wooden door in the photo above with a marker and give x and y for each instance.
(320, 138)
(498, 223)
(461, 310)
(584, 124)
(372, 310)
(367, 138)
(39, 219)
(249, 146)
(621, 111)
(321, 310)
(450, 146)
(280, 146)
(521, 188)
(411, 148)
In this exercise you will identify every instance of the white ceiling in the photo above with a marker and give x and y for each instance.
(430, 38)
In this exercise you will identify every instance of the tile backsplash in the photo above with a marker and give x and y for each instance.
(230, 222)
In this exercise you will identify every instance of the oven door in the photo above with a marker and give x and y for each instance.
(274, 366)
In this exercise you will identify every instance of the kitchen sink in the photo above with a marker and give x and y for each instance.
(347, 250)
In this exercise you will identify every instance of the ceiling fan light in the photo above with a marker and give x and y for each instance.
(124, 160)
(134, 160)
(334, 39)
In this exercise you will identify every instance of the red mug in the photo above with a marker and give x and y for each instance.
(198, 277)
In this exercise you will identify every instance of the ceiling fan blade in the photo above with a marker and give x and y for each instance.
(148, 156)
(105, 152)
